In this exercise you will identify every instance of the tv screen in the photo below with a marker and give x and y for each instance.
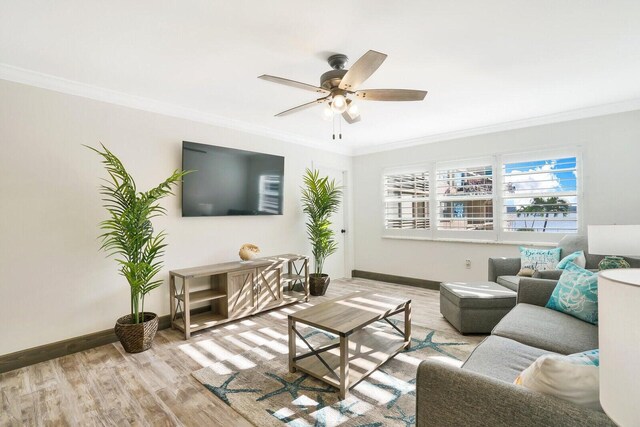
(227, 181)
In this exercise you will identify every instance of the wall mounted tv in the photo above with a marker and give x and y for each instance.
(227, 181)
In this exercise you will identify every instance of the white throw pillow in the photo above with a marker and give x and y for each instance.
(566, 377)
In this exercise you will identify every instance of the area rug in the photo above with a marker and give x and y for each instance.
(266, 394)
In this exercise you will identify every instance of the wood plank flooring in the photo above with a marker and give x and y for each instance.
(105, 386)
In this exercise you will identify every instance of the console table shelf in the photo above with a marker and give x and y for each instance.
(201, 296)
(235, 290)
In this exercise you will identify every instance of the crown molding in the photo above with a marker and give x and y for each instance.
(565, 116)
(70, 87)
(58, 84)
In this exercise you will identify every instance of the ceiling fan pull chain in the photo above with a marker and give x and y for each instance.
(334, 127)
(340, 126)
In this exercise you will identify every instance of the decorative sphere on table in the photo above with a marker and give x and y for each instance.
(248, 252)
(611, 262)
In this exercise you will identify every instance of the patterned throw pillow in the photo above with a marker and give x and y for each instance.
(574, 377)
(537, 259)
(577, 258)
(591, 357)
(576, 294)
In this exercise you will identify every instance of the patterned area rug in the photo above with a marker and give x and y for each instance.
(258, 385)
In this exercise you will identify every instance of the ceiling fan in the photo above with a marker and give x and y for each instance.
(338, 85)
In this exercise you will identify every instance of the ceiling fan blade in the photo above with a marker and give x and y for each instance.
(301, 107)
(349, 118)
(391, 95)
(362, 69)
(292, 83)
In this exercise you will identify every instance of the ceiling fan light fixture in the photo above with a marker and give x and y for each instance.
(327, 112)
(339, 104)
(353, 109)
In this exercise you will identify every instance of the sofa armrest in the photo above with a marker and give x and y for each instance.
(503, 267)
(450, 396)
(535, 291)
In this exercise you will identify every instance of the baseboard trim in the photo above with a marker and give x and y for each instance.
(31, 356)
(401, 280)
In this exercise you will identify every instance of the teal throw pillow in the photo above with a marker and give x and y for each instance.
(577, 258)
(576, 294)
(537, 259)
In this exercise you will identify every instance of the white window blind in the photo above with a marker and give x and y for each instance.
(540, 196)
(406, 200)
(465, 197)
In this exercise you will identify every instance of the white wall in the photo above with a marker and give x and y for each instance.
(54, 282)
(610, 148)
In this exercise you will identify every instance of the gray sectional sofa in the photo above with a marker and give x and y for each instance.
(482, 393)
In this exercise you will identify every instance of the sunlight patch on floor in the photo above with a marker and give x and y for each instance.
(220, 353)
(196, 355)
(408, 359)
(330, 416)
(277, 315)
(241, 362)
(403, 386)
(273, 345)
(373, 392)
(273, 334)
(259, 351)
(304, 401)
(221, 369)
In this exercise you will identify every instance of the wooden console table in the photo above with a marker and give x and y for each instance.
(233, 290)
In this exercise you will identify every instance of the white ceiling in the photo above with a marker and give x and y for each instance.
(483, 62)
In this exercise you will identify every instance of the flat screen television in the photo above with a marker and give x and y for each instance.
(227, 181)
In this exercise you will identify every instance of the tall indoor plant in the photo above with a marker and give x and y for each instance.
(320, 199)
(128, 234)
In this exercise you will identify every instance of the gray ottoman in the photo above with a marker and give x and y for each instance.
(475, 307)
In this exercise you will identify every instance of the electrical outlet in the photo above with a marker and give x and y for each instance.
(467, 263)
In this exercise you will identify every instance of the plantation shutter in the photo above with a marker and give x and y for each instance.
(540, 196)
(465, 197)
(406, 200)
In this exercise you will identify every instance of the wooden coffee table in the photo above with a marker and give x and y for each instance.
(358, 351)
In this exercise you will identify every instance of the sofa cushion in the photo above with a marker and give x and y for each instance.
(502, 358)
(510, 282)
(547, 329)
(478, 295)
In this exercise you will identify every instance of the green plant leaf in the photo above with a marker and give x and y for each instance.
(128, 232)
(321, 198)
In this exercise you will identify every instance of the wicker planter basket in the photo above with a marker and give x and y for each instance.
(136, 337)
(318, 284)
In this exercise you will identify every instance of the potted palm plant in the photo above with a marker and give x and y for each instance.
(320, 199)
(129, 235)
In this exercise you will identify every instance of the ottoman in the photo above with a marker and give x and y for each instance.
(475, 307)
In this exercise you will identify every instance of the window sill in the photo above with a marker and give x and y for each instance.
(477, 241)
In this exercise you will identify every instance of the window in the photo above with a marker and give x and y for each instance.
(465, 198)
(540, 196)
(406, 201)
(519, 197)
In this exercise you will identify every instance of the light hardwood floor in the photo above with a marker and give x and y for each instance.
(105, 386)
